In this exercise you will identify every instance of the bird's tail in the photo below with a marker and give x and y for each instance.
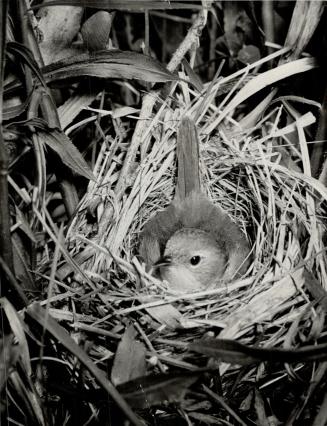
(188, 176)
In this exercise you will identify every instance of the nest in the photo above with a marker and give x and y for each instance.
(262, 179)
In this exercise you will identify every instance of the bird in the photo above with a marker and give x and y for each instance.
(193, 244)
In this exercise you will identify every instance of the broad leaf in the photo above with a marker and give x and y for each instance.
(17, 327)
(109, 64)
(9, 355)
(25, 55)
(68, 153)
(156, 390)
(40, 315)
(124, 5)
(129, 362)
(236, 353)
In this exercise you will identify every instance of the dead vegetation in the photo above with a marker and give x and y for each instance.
(88, 140)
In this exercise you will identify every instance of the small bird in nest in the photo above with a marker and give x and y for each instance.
(193, 244)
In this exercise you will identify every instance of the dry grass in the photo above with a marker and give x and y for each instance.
(128, 328)
(263, 180)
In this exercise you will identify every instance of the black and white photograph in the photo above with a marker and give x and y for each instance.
(163, 206)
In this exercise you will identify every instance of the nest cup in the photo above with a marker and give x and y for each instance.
(260, 184)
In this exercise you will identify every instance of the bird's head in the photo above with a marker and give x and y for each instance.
(192, 260)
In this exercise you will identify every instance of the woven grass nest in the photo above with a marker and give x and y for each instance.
(261, 177)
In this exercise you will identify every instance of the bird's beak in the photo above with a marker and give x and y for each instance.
(162, 261)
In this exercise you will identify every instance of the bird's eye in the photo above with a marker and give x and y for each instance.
(195, 260)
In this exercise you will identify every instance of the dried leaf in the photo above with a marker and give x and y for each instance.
(249, 54)
(166, 314)
(124, 111)
(129, 362)
(315, 289)
(194, 78)
(251, 119)
(259, 406)
(263, 306)
(73, 106)
(305, 18)
(263, 80)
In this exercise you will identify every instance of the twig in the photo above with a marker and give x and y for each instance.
(5, 237)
